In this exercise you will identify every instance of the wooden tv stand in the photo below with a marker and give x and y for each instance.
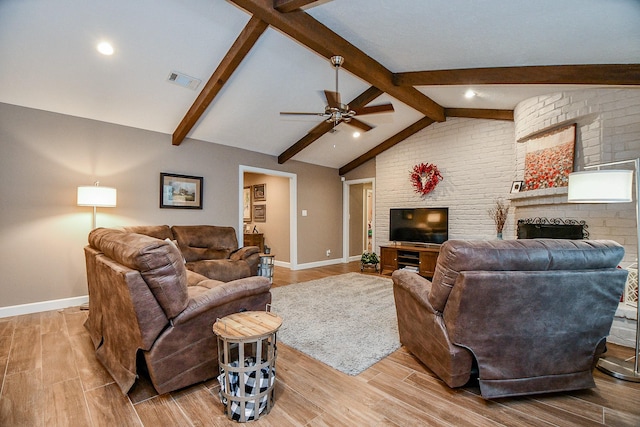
(394, 257)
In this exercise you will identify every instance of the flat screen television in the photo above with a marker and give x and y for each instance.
(419, 225)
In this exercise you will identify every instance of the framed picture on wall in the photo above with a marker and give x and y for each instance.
(260, 192)
(180, 191)
(549, 159)
(260, 213)
(246, 204)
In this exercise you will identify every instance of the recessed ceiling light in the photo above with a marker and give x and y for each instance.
(105, 48)
(356, 134)
(469, 94)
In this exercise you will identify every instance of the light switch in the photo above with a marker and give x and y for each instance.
(304, 212)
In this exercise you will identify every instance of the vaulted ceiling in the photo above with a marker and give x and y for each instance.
(256, 58)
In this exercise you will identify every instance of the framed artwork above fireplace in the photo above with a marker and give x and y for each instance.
(549, 159)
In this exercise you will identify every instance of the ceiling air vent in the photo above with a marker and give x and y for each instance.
(183, 80)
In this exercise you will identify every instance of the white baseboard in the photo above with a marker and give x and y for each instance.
(36, 307)
(282, 264)
(319, 264)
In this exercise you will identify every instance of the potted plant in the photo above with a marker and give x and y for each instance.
(499, 215)
(369, 259)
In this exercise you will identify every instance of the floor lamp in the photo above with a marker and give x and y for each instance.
(611, 186)
(96, 196)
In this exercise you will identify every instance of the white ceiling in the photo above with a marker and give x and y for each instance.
(48, 61)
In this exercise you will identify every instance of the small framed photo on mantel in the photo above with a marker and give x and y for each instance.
(180, 191)
(516, 186)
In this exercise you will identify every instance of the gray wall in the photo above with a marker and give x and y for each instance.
(45, 156)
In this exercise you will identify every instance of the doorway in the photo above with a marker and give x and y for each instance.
(358, 218)
(274, 196)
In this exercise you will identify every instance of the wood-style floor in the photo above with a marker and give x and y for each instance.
(49, 376)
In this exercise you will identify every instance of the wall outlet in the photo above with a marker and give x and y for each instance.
(328, 252)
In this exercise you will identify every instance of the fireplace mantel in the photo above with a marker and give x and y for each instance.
(545, 196)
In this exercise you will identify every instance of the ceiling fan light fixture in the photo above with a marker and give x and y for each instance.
(335, 112)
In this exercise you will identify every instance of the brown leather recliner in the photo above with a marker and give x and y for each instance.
(534, 314)
(142, 299)
(209, 250)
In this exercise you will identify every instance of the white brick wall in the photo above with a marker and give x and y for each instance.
(476, 159)
(608, 129)
(480, 158)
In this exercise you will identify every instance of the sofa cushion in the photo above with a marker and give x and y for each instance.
(507, 255)
(211, 293)
(221, 269)
(159, 263)
(201, 242)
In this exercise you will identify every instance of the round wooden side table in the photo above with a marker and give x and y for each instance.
(247, 363)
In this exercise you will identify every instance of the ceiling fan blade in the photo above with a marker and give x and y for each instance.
(374, 109)
(360, 125)
(333, 98)
(295, 113)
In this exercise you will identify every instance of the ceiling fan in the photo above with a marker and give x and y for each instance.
(336, 112)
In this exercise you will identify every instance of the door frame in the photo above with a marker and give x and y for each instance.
(293, 208)
(345, 216)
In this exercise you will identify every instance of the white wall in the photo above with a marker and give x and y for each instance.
(476, 159)
(608, 129)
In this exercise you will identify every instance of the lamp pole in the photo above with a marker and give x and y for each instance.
(616, 367)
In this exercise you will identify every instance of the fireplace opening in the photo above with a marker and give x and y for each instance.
(554, 228)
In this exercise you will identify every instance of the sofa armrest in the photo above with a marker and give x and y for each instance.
(213, 293)
(243, 253)
(417, 286)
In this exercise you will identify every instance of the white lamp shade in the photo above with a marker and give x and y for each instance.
(97, 196)
(601, 186)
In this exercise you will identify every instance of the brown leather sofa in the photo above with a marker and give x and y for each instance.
(531, 315)
(143, 302)
(209, 250)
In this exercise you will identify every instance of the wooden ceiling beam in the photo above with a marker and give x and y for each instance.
(323, 127)
(319, 38)
(395, 139)
(479, 113)
(243, 44)
(286, 6)
(601, 74)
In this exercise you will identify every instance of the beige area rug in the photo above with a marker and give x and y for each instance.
(347, 322)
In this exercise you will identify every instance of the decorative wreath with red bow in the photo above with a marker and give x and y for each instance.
(425, 177)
